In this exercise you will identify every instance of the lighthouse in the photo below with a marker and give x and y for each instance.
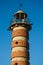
(20, 39)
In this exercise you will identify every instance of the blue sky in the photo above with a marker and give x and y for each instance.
(34, 9)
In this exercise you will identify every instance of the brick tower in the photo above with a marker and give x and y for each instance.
(20, 36)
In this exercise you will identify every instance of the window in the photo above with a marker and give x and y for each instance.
(15, 63)
(16, 42)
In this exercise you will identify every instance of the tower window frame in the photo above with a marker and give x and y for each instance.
(16, 63)
(16, 42)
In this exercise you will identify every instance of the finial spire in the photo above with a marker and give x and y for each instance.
(20, 5)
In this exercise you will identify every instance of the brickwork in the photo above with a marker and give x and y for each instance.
(19, 54)
(20, 43)
(19, 32)
(20, 63)
(20, 46)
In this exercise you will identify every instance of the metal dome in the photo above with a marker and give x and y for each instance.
(20, 11)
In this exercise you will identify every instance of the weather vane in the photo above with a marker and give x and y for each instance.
(20, 5)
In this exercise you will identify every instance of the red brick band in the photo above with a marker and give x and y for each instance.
(19, 32)
(19, 54)
(20, 43)
(20, 63)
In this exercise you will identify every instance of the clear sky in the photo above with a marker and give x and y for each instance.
(34, 9)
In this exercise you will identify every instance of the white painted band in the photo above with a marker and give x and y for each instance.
(16, 28)
(20, 38)
(19, 59)
(19, 49)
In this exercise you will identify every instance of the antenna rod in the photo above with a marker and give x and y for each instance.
(20, 5)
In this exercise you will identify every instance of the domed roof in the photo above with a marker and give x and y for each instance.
(20, 11)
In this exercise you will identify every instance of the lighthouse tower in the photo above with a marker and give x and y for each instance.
(20, 37)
